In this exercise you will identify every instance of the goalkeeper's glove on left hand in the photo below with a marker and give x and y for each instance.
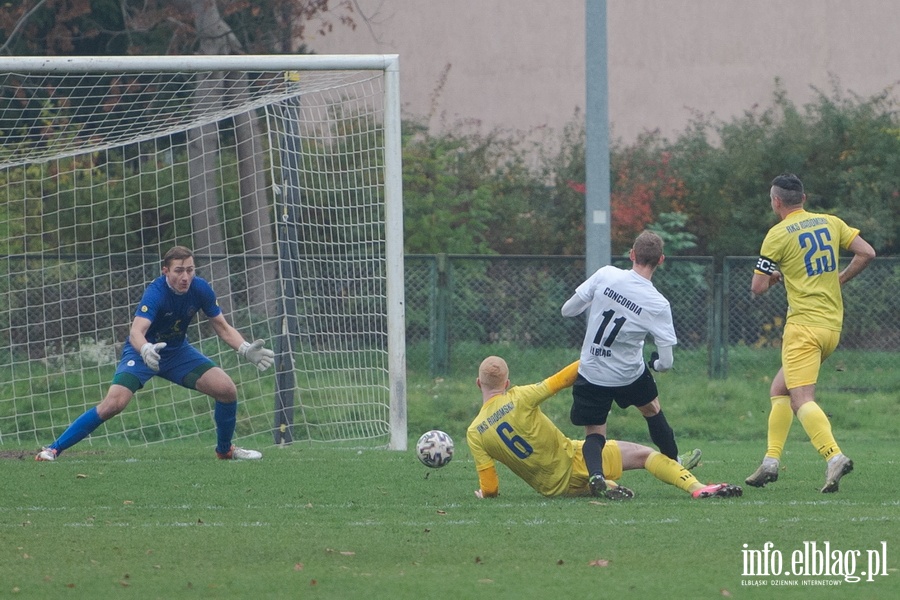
(654, 356)
(263, 358)
(150, 354)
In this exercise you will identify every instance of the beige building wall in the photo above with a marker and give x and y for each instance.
(520, 64)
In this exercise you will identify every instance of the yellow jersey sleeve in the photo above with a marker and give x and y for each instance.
(488, 481)
(563, 379)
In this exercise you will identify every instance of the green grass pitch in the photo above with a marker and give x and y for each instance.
(169, 521)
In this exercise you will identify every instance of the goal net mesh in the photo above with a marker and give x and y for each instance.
(274, 179)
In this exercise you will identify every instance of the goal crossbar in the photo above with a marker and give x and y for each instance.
(192, 63)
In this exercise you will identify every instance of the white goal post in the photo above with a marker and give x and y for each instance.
(282, 173)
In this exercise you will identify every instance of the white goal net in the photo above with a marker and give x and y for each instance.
(281, 173)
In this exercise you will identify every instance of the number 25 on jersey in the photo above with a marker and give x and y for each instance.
(819, 257)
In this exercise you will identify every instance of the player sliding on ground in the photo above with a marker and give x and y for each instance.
(512, 429)
(156, 345)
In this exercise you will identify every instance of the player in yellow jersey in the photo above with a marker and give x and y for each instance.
(512, 429)
(802, 251)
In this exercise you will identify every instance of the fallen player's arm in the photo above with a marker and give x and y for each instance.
(563, 379)
(490, 484)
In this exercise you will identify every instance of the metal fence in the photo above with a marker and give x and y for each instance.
(453, 300)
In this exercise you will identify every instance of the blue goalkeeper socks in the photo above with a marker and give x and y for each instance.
(78, 430)
(225, 416)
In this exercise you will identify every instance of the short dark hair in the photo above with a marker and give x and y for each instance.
(648, 248)
(176, 253)
(788, 188)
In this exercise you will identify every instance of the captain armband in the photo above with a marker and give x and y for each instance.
(766, 265)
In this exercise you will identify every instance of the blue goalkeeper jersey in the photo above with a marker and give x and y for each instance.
(170, 314)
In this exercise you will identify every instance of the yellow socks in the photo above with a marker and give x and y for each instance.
(780, 418)
(817, 426)
(669, 471)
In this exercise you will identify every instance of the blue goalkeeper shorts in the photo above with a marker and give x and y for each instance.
(183, 365)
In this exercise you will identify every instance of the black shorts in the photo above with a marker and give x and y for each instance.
(591, 403)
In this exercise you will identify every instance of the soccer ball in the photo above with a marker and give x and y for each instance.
(434, 448)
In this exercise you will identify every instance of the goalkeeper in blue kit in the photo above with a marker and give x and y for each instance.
(157, 345)
(512, 429)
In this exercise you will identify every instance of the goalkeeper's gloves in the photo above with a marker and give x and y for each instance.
(654, 356)
(263, 358)
(150, 354)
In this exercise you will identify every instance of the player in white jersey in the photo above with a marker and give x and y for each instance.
(624, 308)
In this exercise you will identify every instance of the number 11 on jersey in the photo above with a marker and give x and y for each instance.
(600, 345)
